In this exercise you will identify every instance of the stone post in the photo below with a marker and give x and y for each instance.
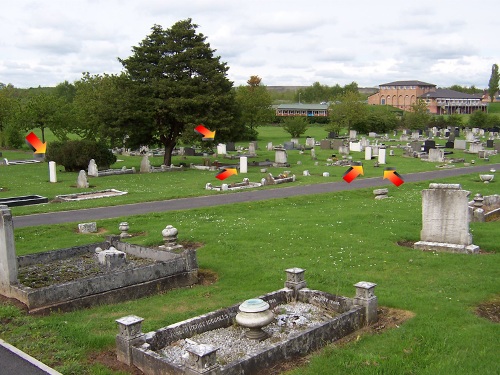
(295, 279)
(8, 260)
(130, 334)
(365, 297)
(244, 164)
(202, 359)
(124, 227)
(52, 171)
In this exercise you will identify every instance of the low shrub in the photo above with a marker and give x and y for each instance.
(75, 155)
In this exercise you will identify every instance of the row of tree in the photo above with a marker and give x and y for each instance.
(171, 83)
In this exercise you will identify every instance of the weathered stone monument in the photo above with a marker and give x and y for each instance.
(445, 220)
(146, 165)
(81, 181)
(92, 169)
(280, 157)
(8, 261)
(436, 155)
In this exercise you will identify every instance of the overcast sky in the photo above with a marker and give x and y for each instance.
(444, 42)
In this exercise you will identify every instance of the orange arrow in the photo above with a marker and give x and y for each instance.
(226, 173)
(36, 144)
(352, 173)
(207, 134)
(393, 176)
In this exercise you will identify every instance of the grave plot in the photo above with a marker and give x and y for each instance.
(90, 195)
(245, 184)
(23, 200)
(98, 273)
(486, 208)
(270, 329)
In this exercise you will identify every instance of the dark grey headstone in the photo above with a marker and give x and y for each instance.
(449, 144)
(457, 132)
(288, 145)
(489, 143)
(189, 151)
(332, 135)
(230, 146)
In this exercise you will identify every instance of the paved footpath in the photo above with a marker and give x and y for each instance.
(15, 362)
(93, 214)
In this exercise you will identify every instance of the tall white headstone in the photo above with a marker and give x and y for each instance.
(381, 155)
(243, 164)
(368, 153)
(251, 148)
(52, 171)
(221, 149)
(81, 181)
(92, 169)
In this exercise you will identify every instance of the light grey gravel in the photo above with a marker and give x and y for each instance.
(290, 319)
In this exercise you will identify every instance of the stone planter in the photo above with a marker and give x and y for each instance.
(254, 314)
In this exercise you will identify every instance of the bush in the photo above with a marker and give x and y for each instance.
(75, 155)
(13, 137)
(296, 126)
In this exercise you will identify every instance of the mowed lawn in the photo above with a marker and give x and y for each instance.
(339, 238)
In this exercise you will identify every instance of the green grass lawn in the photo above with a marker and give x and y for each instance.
(339, 238)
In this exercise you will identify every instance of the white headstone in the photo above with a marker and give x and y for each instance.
(436, 155)
(280, 156)
(92, 169)
(251, 148)
(87, 227)
(221, 149)
(459, 144)
(368, 153)
(355, 146)
(353, 134)
(310, 142)
(81, 181)
(381, 155)
(243, 164)
(313, 154)
(145, 165)
(270, 146)
(52, 171)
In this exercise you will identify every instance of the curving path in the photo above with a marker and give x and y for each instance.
(93, 214)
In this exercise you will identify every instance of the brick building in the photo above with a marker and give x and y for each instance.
(403, 94)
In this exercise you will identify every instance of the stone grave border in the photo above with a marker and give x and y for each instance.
(90, 195)
(140, 350)
(23, 200)
(172, 269)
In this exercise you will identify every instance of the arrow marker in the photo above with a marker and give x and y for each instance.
(36, 144)
(226, 173)
(393, 176)
(352, 173)
(207, 134)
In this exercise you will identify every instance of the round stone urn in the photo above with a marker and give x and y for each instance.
(254, 314)
(486, 178)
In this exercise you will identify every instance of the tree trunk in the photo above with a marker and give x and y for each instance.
(169, 147)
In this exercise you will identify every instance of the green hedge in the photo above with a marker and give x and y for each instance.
(75, 155)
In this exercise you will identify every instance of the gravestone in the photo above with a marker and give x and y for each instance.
(243, 164)
(436, 155)
(325, 144)
(415, 135)
(475, 147)
(288, 145)
(353, 134)
(496, 147)
(189, 151)
(92, 169)
(460, 144)
(310, 142)
(52, 171)
(364, 142)
(313, 154)
(343, 150)
(368, 153)
(451, 137)
(336, 143)
(8, 259)
(270, 146)
(372, 134)
(280, 156)
(295, 142)
(81, 181)
(428, 145)
(87, 227)
(416, 146)
(230, 146)
(449, 145)
(469, 136)
(445, 220)
(251, 148)
(381, 155)
(375, 150)
(221, 149)
(331, 135)
(355, 146)
(489, 143)
(456, 132)
(145, 164)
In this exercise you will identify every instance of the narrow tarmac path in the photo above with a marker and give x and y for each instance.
(93, 214)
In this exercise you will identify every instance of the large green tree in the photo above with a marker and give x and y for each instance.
(350, 109)
(494, 82)
(418, 117)
(254, 103)
(180, 84)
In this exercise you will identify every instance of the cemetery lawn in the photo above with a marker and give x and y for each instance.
(18, 180)
(339, 238)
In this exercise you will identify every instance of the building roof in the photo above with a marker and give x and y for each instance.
(408, 83)
(448, 94)
(303, 106)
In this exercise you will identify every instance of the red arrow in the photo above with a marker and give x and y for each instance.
(36, 143)
(207, 134)
(352, 173)
(226, 173)
(393, 176)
